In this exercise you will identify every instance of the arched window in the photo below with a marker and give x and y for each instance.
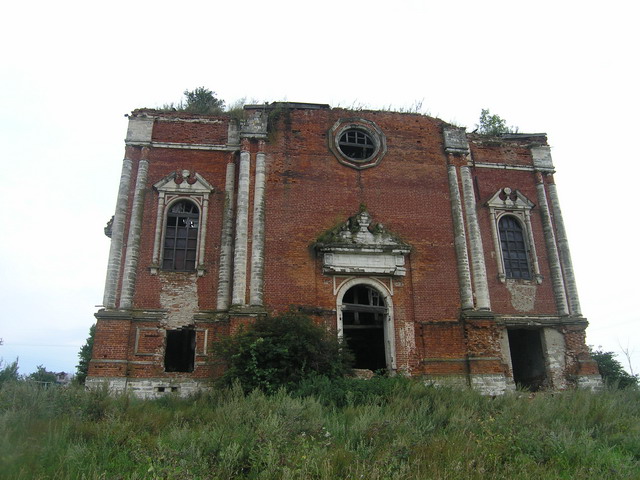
(181, 237)
(514, 248)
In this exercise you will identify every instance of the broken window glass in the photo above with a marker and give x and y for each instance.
(356, 144)
(181, 237)
(514, 249)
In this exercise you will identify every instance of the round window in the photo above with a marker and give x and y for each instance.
(356, 144)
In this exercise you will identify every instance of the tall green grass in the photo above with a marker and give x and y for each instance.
(355, 429)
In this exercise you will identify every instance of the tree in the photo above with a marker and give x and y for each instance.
(9, 372)
(493, 124)
(42, 375)
(82, 369)
(281, 351)
(612, 371)
(203, 100)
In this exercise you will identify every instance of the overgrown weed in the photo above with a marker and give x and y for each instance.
(382, 428)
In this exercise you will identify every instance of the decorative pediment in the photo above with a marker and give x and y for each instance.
(185, 182)
(358, 246)
(508, 199)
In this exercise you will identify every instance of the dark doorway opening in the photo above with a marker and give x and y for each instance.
(363, 316)
(179, 354)
(527, 359)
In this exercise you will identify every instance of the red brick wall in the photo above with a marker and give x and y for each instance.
(308, 192)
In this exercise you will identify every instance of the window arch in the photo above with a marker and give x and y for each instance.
(181, 236)
(514, 248)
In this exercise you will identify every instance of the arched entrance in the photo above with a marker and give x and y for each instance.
(364, 321)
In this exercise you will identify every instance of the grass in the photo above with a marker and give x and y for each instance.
(380, 429)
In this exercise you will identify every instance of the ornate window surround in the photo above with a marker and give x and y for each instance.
(181, 185)
(507, 201)
(370, 129)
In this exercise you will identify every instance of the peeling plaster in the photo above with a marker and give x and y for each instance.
(179, 295)
(523, 297)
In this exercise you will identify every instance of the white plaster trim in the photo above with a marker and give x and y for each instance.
(226, 240)
(389, 328)
(239, 295)
(256, 288)
(478, 267)
(502, 166)
(114, 267)
(557, 279)
(460, 241)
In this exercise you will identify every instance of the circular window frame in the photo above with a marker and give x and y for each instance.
(367, 127)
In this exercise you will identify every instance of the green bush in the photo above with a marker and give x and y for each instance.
(281, 351)
(612, 371)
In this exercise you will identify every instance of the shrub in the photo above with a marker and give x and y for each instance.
(612, 371)
(281, 351)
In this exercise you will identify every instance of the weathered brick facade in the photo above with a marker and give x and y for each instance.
(386, 227)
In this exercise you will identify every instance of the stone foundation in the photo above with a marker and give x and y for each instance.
(148, 388)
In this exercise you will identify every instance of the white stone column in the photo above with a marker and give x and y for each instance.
(460, 241)
(565, 253)
(202, 237)
(242, 223)
(157, 238)
(256, 291)
(226, 242)
(117, 236)
(552, 250)
(478, 266)
(133, 241)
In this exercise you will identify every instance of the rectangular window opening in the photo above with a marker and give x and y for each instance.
(180, 351)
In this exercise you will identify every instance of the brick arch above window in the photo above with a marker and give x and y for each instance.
(181, 186)
(514, 244)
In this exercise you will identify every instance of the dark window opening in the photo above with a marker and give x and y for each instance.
(363, 316)
(181, 237)
(514, 250)
(166, 389)
(356, 144)
(527, 359)
(179, 354)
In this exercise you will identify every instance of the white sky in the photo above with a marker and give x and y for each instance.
(69, 71)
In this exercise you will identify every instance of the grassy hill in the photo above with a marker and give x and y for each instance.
(356, 429)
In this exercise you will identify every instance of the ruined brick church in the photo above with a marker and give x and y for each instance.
(433, 252)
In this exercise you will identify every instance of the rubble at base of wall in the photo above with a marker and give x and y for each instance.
(148, 388)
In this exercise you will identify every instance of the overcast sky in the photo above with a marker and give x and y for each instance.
(70, 71)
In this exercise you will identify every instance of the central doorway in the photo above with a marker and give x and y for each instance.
(364, 317)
